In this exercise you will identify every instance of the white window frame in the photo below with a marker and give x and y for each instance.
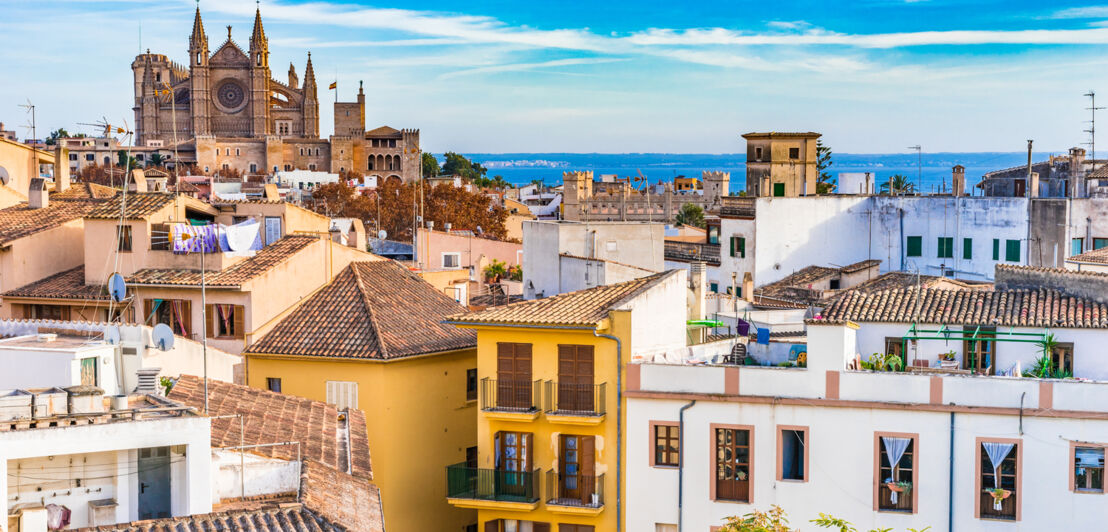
(457, 260)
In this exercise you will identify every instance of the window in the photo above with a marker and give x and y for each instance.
(311, 167)
(967, 248)
(73, 157)
(89, 374)
(998, 476)
(452, 261)
(342, 394)
(237, 152)
(732, 450)
(273, 230)
(90, 157)
(1061, 357)
(513, 374)
(471, 384)
(977, 354)
(1012, 251)
(1100, 243)
(946, 247)
(564, 527)
(575, 379)
(713, 234)
(1088, 468)
(515, 462)
(778, 190)
(996, 249)
(666, 438)
(123, 237)
(894, 345)
(46, 312)
(758, 153)
(1077, 246)
(225, 321)
(471, 457)
(738, 247)
(714, 287)
(794, 153)
(159, 237)
(177, 313)
(792, 449)
(896, 472)
(253, 168)
(915, 246)
(273, 384)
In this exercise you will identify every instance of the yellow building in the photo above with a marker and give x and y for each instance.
(781, 164)
(373, 339)
(550, 427)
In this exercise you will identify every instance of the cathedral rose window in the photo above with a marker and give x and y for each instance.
(230, 95)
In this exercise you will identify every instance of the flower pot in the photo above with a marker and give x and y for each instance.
(893, 486)
(998, 497)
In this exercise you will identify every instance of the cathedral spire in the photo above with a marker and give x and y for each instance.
(198, 41)
(309, 73)
(197, 28)
(259, 45)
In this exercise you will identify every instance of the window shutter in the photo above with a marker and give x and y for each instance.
(742, 247)
(492, 526)
(186, 309)
(587, 459)
(967, 248)
(540, 527)
(209, 326)
(66, 313)
(996, 249)
(147, 311)
(240, 321)
(732, 246)
(497, 444)
(1012, 251)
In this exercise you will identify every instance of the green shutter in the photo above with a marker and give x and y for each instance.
(1012, 251)
(1076, 246)
(778, 190)
(915, 246)
(732, 246)
(946, 247)
(742, 247)
(1100, 243)
(996, 249)
(967, 248)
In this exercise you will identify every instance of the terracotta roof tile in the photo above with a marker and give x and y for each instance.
(269, 519)
(236, 275)
(139, 205)
(20, 220)
(583, 307)
(1013, 308)
(352, 502)
(272, 417)
(1096, 256)
(85, 191)
(69, 284)
(371, 310)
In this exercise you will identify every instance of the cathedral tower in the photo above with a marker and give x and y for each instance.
(311, 102)
(200, 80)
(259, 78)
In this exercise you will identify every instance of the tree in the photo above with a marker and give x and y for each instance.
(495, 271)
(59, 133)
(691, 214)
(825, 184)
(101, 175)
(430, 165)
(499, 183)
(775, 520)
(457, 164)
(155, 159)
(125, 161)
(898, 184)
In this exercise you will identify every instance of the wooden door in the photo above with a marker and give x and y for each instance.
(513, 376)
(577, 464)
(732, 464)
(513, 463)
(575, 378)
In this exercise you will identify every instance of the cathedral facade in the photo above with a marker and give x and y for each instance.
(225, 110)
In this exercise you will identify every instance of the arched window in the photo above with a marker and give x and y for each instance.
(259, 59)
(253, 168)
(370, 165)
(397, 159)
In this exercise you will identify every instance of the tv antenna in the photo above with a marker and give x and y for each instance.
(30, 107)
(1092, 108)
(646, 187)
(919, 164)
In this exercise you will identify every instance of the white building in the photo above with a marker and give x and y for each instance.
(303, 179)
(730, 439)
(856, 183)
(106, 462)
(562, 256)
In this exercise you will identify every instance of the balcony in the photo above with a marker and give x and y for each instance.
(470, 487)
(692, 251)
(511, 400)
(737, 206)
(574, 494)
(574, 404)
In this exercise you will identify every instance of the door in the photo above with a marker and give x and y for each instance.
(1021, 188)
(154, 488)
(513, 463)
(575, 378)
(513, 376)
(577, 467)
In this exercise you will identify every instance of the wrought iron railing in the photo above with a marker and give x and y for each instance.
(510, 395)
(692, 251)
(737, 206)
(464, 482)
(574, 399)
(585, 491)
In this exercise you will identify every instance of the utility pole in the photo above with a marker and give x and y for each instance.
(1092, 108)
(1028, 191)
(919, 164)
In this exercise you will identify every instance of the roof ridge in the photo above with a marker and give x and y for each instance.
(369, 310)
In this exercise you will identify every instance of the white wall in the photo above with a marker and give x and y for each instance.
(658, 316)
(637, 244)
(264, 476)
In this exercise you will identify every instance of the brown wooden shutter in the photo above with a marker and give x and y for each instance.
(492, 526)
(240, 321)
(540, 527)
(186, 309)
(498, 448)
(147, 311)
(530, 451)
(66, 313)
(587, 462)
(209, 325)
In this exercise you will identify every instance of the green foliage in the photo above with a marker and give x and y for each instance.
(775, 520)
(59, 133)
(1044, 367)
(155, 159)
(167, 383)
(691, 214)
(495, 270)
(515, 273)
(430, 165)
(825, 183)
(457, 164)
(883, 362)
(898, 184)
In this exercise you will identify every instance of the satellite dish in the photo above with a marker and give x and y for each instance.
(382, 234)
(117, 287)
(163, 337)
(4, 177)
(111, 335)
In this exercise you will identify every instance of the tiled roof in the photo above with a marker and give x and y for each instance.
(296, 518)
(20, 220)
(69, 284)
(85, 191)
(273, 418)
(1014, 308)
(892, 280)
(860, 265)
(1096, 256)
(371, 310)
(594, 259)
(351, 502)
(139, 205)
(583, 307)
(236, 275)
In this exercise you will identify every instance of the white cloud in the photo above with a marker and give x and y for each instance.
(1082, 12)
(517, 67)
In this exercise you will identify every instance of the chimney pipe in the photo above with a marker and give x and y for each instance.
(61, 168)
(958, 180)
(37, 196)
(748, 287)
(1029, 141)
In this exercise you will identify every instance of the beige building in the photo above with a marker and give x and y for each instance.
(225, 110)
(587, 199)
(19, 163)
(781, 164)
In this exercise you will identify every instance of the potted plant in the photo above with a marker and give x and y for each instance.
(947, 357)
(495, 271)
(901, 486)
(998, 494)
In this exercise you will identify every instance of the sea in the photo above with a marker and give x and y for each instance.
(930, 171)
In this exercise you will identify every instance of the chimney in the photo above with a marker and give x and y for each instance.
(1034, 185)
(698, 282)
(958, 180)
(271, 192)
(138, 178)
(61, 168)
(37, 197)
(356, 238)
(748, 287)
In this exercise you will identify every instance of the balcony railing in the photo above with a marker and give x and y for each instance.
(885, 499)
(510, 395)
(692, 251)
(582, 491)
(737, 206)
(1007, 506)
(574, 399)
(491, 484)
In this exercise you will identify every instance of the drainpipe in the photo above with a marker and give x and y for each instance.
(619, 424)
(681, 463)
(950, 481)
(903, 244)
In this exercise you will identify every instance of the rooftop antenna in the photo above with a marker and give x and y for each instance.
(1092, 108)
(30, 107)
(919, 164)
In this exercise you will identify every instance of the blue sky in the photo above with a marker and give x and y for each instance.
(617, 76)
